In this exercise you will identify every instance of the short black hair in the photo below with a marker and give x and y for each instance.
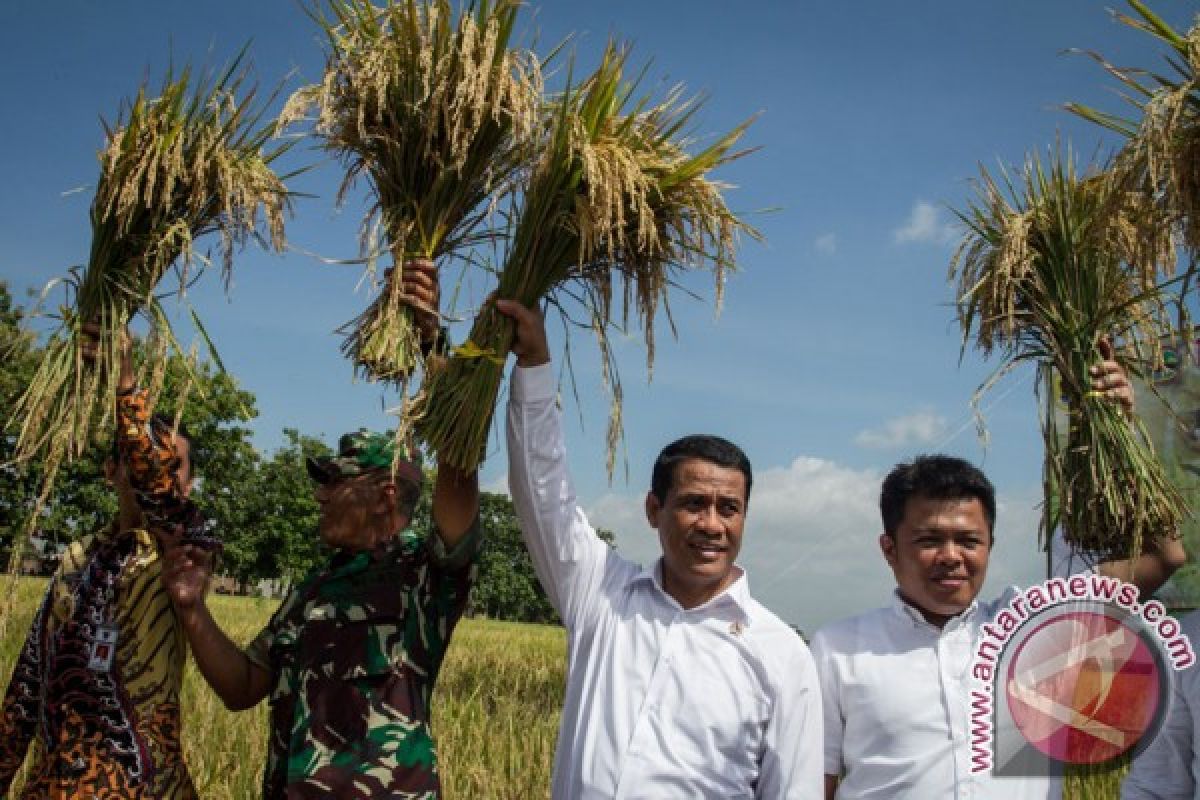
(705, 447)
(937, 477)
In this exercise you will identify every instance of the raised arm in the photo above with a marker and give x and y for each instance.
(567, 554)
(455, 493)
(154, 461)
(238, 681)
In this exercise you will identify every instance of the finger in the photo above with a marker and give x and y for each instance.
(518, 312)
(1106, 348)
(420, 266)
(419, 286)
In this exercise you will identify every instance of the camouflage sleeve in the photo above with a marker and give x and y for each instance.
(152, 463)
(19, 713)
(464, 553)
(259, 649)
(452, 574)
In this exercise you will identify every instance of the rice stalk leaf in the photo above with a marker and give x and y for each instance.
(437, 111)
(176, 166)
(1051, 262)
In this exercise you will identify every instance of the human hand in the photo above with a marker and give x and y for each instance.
(529, 345)
(420, 291)
(186, 570)
(89, 350)
(1109, 378)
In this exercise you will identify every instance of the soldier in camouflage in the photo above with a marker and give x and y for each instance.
(350, 658)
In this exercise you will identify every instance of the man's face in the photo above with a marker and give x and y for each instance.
(939, 554)
(700, 528)
(356, 512)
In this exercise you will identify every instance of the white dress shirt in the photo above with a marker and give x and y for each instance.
(719, 701)
(895, 692)
(1169, 769)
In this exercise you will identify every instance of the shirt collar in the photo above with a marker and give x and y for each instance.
(913, 614)
(735, 597)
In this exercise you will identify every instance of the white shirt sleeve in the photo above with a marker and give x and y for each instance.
(1164, 770)
(792, 753)
(568, 556)
(833, 724)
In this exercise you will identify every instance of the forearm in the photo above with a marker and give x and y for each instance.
(455, 503)
(238, 681)
(1154, 567)
(568, 556)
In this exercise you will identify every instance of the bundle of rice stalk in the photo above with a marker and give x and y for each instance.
(1162, 151)
(614, 198)
(191, 161)
(437, 113)
(1048, 268)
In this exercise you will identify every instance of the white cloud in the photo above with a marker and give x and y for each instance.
(498, 484)
(924, 225)
(811, 543)
(919, 428)
(826, 244)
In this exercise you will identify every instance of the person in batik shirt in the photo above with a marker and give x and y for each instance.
(98, 679)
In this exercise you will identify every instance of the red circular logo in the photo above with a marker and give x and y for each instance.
(1083, 687)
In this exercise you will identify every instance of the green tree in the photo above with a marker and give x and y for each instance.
(274, 529)
(18, 360)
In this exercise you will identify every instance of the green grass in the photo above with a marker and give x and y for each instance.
(495, 712)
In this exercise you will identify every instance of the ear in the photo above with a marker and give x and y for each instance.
(887, 544)
(653, 508)
(387, 498)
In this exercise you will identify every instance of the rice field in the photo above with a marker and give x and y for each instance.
(495, 710)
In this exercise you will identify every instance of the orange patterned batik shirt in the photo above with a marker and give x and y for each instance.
(97, 683)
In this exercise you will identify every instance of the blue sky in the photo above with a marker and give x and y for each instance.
(836, 354)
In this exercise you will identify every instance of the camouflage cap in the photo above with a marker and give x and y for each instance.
(360, 452)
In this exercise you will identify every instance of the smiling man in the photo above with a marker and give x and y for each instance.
(679, 684)
(895, 681)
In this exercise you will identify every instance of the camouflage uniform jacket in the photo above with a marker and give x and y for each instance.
(106, 730)
(354, 652)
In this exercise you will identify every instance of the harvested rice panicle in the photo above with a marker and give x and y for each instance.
(614, 198)
(437, 111)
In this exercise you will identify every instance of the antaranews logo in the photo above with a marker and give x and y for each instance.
(1072, 671)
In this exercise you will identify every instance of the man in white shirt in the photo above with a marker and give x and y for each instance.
(1169, 769)
(679, 684)
(896, 681)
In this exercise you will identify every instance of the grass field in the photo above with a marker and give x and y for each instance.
(495, 712)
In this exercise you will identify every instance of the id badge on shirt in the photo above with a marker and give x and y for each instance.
(104, 649)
